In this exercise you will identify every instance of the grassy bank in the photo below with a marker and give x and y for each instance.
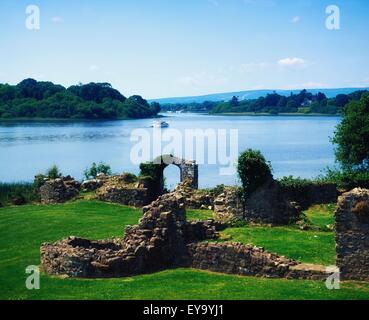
(24, 229)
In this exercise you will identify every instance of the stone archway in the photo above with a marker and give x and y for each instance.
(153, 172)
(189, 170)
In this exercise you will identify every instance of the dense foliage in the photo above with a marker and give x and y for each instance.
(96, 169)
(151, 171)
(33, 99)
(352, 136)
(18, 193)
(253, 170)
(346, 179)
(303, 103)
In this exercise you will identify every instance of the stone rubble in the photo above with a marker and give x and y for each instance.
(59, 190)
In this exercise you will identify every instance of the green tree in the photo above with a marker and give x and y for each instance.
(253, 170)
(53, 172)
(96, 169)
(352, 136)
(234, 101)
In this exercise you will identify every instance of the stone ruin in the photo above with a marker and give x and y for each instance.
(123, 190)
(189, 169)
(164, 239)
(59, 190)
(352, 235)
(120, 189)
(228, 205)
(157, 242)
(268, 205)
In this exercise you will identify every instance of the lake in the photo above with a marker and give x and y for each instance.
(295, 145)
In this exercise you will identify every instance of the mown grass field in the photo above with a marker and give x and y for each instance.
(23, 229)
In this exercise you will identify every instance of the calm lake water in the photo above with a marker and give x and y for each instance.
(298, 146)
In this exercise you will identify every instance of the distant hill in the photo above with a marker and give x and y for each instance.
(252, 94)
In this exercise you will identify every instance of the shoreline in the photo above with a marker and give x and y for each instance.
(71, 120)
(253, 114)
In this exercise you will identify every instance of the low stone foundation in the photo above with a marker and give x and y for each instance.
(236, 258)
(157, 242)
(163, 239)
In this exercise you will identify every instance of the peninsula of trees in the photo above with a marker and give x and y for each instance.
(274, 103)
(31, 99)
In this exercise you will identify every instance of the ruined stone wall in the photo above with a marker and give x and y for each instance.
(135, 197)
(311, 194)
(190, 172)
(228, 205)
(117, 189)
(352, 235)
(59, 190)
(235, 258)
(157, 242)
(163, 239)
(194, 198)
(268, 204)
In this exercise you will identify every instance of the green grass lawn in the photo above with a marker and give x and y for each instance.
(321, 215)
(305, 246)
(193, 215)
(23, 229)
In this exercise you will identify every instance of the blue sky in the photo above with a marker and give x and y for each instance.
(164, 48)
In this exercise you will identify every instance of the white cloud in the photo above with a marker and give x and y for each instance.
(292, 62)
(296, 19)
(57, 19)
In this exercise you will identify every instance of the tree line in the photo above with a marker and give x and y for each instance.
(274, 103)
(93, 101)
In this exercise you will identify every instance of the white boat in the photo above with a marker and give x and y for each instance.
(160, 124)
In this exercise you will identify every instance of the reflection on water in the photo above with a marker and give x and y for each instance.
(297, 146)
(73, 137)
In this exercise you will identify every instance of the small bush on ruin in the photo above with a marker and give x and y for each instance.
(129, 177)
(253, 170)
(53, 172)
(96, 169)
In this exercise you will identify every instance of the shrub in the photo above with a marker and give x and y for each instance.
(292, 183)
(253, 170)
(53, 172)
(346, 179)
(18, 193)
(129, 177)
(95, 170)
(39, 181)
(150, 169)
